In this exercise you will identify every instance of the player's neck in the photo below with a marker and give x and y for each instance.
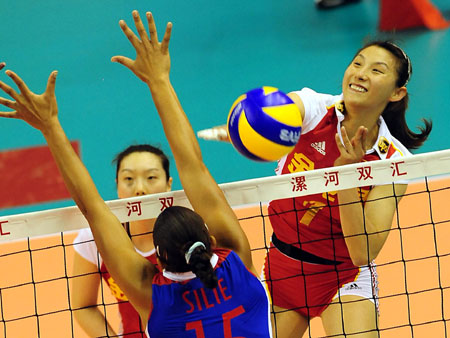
(352, 124)
(142, 234)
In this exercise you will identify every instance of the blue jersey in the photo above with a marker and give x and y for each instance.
(237, 307)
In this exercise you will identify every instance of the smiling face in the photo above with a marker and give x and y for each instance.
(370, 80)
(141, 173)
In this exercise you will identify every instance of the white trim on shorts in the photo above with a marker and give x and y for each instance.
(365, 285)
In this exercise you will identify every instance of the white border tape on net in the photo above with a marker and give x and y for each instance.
(252, 191)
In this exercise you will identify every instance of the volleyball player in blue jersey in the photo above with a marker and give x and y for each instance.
(208, 287)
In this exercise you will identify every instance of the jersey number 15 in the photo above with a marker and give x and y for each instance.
(226, 317)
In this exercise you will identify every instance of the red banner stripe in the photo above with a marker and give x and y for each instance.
(30, 176)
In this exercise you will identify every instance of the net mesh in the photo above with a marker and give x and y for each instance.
(36, 250)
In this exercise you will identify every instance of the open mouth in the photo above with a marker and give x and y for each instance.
(357, 88)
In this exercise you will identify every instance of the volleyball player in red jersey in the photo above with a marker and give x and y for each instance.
(141, 169)
(320, 262)
(209, 269)
(324, 245)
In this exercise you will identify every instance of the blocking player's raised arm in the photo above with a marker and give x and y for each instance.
(113, 243)
(152, 66)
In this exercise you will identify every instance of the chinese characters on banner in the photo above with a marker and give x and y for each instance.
(3, 232)
(300, 183)
(135, 208)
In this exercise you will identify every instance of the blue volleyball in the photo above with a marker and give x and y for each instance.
(264, 124)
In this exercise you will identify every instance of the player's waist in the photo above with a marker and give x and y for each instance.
(299, 254)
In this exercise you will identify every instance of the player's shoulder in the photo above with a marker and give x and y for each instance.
(316, 105)
(310, 97)
(387, 146)
(224, 254)
(228, 260)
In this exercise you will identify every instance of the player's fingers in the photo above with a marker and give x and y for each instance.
(339, 144)
(51, 83)
(152, 28)
(364, 140)
(8, 90)
(356, 140)
(9, 114)
(19, 82)
(2, 64)
(123, 60)
(140, 26)
(129, 34)
(166, 38)
(359, 140)
(347, 144)
(7, 103)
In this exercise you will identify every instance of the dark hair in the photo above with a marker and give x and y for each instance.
(394, 113)
(176, 230)
(142, 148)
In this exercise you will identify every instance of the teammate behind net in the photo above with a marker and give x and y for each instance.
(141, 169)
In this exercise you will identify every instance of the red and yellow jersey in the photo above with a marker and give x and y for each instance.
(130, 323)
(312, 222)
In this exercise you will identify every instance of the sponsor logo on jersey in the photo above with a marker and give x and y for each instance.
(319, 146)
(383, 145)
(340, 106)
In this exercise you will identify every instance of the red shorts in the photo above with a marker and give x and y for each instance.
(304, 287)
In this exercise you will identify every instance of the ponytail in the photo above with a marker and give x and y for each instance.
(394, 116)
(183, 244)
(394, 113)
(200, 265)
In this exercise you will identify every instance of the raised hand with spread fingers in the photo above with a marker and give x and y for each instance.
(36, 110)
(225, 237)
(119, 254)
(152, 61)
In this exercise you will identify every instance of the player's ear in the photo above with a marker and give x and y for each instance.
(213, 242)
(169, 184)
(398, 94)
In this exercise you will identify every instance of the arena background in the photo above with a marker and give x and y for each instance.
(219, 50)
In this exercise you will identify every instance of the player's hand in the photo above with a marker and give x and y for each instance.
(352, 151)
(152, 57)
(218, 133)
(37, 110)
(2, 64)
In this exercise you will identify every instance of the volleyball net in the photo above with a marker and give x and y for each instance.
(36, 250)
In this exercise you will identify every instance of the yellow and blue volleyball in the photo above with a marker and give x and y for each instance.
(264, 124)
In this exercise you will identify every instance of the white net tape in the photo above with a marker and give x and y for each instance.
(239, 193)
